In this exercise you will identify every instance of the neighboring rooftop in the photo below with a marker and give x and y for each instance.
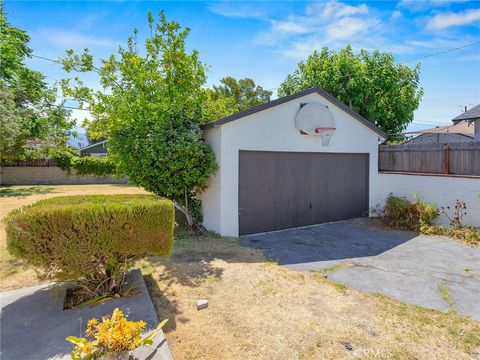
(93, 144)
(470, 115)
(464, 128)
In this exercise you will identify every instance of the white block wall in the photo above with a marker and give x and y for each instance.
(440, 190)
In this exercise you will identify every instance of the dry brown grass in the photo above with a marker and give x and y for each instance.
(13, 274)
(258, 310)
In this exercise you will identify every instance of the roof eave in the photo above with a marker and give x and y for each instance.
(92, 145)
(265, 106)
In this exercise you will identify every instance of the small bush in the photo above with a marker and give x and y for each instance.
(91, 239)
(89, 165)
(399, 213)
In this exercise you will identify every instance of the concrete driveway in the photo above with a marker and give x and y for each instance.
(412, 268)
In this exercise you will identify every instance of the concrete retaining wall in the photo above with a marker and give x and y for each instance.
(51, 175)
(440, 190)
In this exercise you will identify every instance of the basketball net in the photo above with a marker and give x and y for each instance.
(325, 134)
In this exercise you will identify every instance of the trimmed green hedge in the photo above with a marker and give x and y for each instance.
(91, 239)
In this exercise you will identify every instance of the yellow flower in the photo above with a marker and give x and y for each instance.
(92, 323)
(112, 334)
(88, 348)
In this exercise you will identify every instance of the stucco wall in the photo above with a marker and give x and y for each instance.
(440, 190)
(274, 130)
(211, 201)
(50, 176)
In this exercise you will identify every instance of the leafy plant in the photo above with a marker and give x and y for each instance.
(112, 335)
(92, 240)
(31, 120)
(63, 159)
(371, 84)
(150, 109)
(86, 165)
(232, 96)
(400, 213)
(89, 165)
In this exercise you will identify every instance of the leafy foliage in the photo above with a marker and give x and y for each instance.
(31, 121)
(112, 335)
(399, 213)
(13, 134)
(383, 92)
(91, 239)
(89, 165)
(150, 110)
(233, 96)
(86, 165)
(63, 158)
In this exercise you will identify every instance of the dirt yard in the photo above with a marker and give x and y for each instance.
(258, 310)
(12, 272)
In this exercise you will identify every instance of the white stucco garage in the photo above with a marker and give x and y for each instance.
(272, 176)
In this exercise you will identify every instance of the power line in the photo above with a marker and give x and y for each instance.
(441, 52)
(342, 76)
(430, 124)
(276, 88)
(45, 58)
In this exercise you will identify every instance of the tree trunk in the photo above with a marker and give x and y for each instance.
(190, 221)
(185, 212)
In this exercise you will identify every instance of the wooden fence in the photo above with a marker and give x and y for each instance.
(461, 158)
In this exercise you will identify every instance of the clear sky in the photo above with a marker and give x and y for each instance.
(265, 40)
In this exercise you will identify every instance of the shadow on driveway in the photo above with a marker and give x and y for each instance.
(431, 271)
(325, 242)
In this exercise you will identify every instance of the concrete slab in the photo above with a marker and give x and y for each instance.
(34, 326)
(403, 265)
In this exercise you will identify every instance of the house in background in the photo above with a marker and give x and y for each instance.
(471, 116)
(466, 127)
(98, 149)
(460, 132)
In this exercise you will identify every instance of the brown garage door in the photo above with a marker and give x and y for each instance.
(281, 190)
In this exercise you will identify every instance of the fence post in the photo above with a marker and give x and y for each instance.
(446, 159)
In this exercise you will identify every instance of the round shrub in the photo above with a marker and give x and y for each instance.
(91, 239)
(400, 213)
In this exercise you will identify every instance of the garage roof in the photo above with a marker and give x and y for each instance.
(285, 99)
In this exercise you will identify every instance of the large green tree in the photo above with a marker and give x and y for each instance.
(371, 84)
(234, 95)
(31, 120)
(150, 108)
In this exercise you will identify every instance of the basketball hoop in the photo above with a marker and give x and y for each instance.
(316, 119)
(325, 134)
